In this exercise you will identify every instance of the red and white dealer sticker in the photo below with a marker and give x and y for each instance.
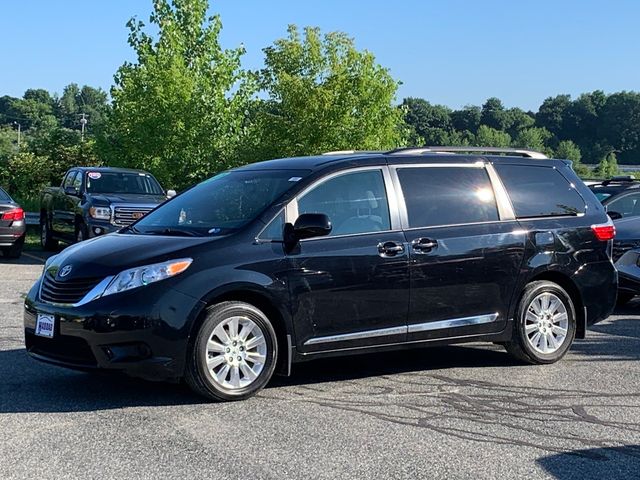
(94, 175)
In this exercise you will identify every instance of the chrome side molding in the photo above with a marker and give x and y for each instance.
(357, 335)
(453, 323)
(418, 327)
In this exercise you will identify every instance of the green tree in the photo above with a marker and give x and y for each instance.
(324, 94)
(533, 138)
(490, 137)
(467, 119)
(180, 109)
(76, 101)
(551, 114)
(567, 150)
(493, 114)
(608, 166)
(432, 123)
(620, 124)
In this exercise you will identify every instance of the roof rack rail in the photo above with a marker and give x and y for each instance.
(348, 152)
(619, 178)
(490, 150)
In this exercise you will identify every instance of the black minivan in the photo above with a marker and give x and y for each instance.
(288, 260)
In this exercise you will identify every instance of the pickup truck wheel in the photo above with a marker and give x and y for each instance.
(47, 242)
(81, 233)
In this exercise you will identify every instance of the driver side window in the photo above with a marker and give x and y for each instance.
(354, 202)
(627, 205)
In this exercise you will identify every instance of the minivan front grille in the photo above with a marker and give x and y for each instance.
(124, 216)
(67, 292)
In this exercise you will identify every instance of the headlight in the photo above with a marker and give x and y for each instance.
(141, 276)
(101, 213)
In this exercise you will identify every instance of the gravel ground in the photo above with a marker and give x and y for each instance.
(455, 412)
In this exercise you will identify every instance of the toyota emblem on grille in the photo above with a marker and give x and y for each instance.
(64, 271)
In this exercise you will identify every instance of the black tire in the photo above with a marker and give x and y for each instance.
(197, 374)
(81, 232)
(520, 346)
(624, 298)
(46, 240)
(14, 251)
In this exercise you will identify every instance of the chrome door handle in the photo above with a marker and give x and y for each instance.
(424, 245)
(389, 249)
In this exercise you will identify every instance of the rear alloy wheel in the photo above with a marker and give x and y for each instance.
(545, 324)
(234, 354)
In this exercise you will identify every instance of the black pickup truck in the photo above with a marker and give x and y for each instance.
(92, 201)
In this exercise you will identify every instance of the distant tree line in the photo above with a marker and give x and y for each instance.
(186, 109)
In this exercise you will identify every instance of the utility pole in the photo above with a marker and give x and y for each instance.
(83, 122)
(19, 127)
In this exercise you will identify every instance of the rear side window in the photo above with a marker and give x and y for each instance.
(447, 196)
(539, 191)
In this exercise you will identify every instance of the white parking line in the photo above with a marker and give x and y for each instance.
(33, 257)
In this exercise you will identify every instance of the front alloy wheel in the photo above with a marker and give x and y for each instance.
(234, 353)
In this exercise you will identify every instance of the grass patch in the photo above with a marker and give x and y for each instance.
(32, 240)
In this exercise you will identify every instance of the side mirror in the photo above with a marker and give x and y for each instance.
(171, 193)
(310, 225)
(73, 191)
(614, 215)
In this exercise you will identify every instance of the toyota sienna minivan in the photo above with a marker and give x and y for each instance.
(288, 260)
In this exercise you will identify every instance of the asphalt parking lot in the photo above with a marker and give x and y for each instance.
(455, 412)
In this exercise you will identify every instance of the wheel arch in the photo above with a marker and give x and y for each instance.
(260, 298)
(569, 286)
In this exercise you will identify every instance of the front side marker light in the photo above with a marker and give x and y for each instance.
(141, 276)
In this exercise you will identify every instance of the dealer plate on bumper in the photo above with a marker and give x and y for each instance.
(44, 325)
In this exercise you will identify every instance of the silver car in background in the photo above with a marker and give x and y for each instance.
(12, 226)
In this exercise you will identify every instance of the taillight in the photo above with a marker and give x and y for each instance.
(13, 215)
(604, 231)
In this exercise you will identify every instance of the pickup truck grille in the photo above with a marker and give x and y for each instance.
(124, 216)
(67, 292)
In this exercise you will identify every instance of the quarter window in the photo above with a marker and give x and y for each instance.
(539, 191)
(437, 196)
(354, 202)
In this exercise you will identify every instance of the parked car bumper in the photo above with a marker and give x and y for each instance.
(95, 228)
(629, 272)
(13, 234)
(143, 333)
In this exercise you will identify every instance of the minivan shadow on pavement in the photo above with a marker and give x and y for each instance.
(31, 386)
(610, 463)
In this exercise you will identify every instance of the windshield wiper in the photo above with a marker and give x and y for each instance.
(171, 232)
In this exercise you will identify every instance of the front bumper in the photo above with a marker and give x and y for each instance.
(95, 228)
(143, 333)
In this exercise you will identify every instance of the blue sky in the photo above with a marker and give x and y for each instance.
(452, 52)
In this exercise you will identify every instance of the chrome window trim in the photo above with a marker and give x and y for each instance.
(404, 216)
(505, 207)
(291, 209)
(414, 328)
(453, 323)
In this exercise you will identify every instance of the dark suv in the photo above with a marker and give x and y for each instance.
(294, 259)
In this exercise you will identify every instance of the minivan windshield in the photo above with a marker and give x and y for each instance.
(134, 183)
(219, 205)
